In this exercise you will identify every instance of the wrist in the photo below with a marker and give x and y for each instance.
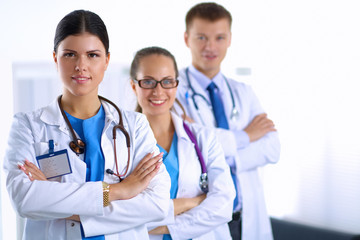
(106, 193)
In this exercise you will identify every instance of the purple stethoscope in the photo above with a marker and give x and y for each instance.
(203, 177)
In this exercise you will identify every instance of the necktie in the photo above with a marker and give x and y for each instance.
(218, 107)
(221, 122)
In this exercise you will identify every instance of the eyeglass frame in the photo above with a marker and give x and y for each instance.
(161, 81)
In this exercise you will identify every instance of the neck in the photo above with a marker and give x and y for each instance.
(210, 73)
(82, 107)
(163, 129)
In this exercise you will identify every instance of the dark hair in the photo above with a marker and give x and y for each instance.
(80, 21)
(208, 11)
(148, 52)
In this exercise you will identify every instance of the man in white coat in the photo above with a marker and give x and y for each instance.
(248, 137)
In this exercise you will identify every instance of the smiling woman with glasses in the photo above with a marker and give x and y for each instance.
(201, 191)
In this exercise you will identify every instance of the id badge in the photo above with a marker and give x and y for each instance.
(54, 164)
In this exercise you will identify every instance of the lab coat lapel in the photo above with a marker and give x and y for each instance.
(52, 115)
(186, 153)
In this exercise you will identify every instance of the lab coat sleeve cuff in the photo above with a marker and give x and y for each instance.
(86, 220)
(242, 139)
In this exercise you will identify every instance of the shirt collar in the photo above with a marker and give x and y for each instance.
(203, 80)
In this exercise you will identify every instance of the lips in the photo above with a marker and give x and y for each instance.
(80, 79)
(157, 102)
(210, 56)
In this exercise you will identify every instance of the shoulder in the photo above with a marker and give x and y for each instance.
(133, 117)
(183, 81)
(35, 116)
(136, 122)
(202, 133)
(241, 89)
(239, 85)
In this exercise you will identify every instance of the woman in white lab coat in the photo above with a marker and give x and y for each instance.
(194, 214)
(77, 193)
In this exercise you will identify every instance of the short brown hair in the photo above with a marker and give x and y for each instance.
(209, 11)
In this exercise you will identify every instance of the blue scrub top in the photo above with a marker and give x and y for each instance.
(171, 162)
(90, 131)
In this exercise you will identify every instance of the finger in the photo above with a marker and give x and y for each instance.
(152, 162)
(260, 116)
(149, 173)
(143, 161)
(150, 169)
(21, 166)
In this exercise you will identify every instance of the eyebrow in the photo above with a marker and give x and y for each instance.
(70, 50)
(151, 77)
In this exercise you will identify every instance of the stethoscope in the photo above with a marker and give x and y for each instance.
(203, 183)
(78, 146)
(234, 112)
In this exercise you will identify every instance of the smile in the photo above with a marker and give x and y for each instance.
(157, 102)
(80, 79)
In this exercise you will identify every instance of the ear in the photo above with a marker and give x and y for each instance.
(55, 59)
(133, 86)
(107, 60)
(186, 38)
(230, 40)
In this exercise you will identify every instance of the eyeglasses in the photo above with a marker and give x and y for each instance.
(152, 83)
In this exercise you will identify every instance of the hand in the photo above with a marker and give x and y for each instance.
(138, 180)
(32, 171)
(74, 218)
(259, 126)
(182, 205)
(160, 230)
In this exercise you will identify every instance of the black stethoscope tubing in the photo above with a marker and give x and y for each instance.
(203, 97)
(78, 146)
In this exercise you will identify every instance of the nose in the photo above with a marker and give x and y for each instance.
(81, 64)
(209, 45)
(157, 90)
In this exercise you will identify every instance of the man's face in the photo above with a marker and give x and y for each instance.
(208, 42)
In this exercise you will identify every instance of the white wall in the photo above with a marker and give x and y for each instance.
(304, 57)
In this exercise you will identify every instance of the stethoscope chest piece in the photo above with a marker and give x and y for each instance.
(78, 147)
(234, 116)
(204, 182)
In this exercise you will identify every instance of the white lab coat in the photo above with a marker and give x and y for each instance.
(46, 204)
(255, 221)
(208, 221)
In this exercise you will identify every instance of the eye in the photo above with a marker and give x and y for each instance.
(93, 55)
(167, 81)
(69, 54)
(201, 38)
(221, 38)
(147, 81)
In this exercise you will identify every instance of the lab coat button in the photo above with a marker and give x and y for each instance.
(72, 224)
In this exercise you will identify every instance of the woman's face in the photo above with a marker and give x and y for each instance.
(158, 100)
(81, 61)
